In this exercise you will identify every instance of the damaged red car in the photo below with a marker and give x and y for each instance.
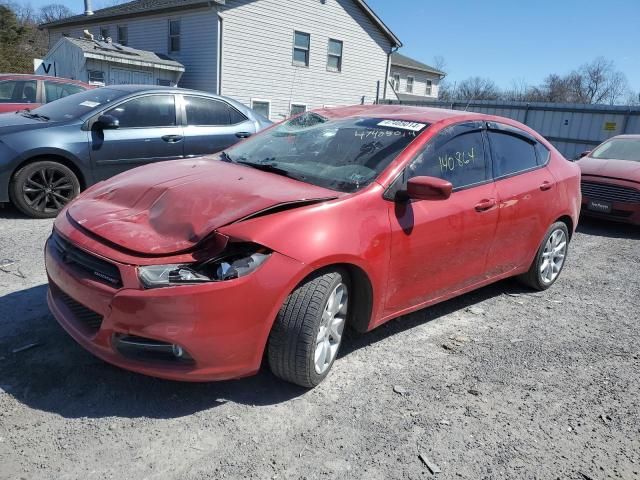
(199, 269)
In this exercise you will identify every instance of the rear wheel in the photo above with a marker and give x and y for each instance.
(41, 189)
(307, 334)
(549, 259)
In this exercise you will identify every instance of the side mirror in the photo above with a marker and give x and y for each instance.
(584, 154)
(428, 188)
(107, 122)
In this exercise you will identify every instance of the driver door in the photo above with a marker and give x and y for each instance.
(440, 246)
(148, 132)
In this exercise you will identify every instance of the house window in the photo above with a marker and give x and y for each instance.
(396, 82)
(301, 42)
(123, 35)
(297, 108)
(174, 35)
(334, 56)
(262, 107)
(104, 33)
(429, 88)
(96, 77)
(409, 84)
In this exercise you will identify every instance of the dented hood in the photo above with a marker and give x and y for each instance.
(169, 207)
(623, 169)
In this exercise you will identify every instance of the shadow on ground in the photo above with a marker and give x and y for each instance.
(58, 376)
(604, 228)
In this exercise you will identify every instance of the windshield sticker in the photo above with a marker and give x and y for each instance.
(89, 103)
(362, 134)
(404, 125)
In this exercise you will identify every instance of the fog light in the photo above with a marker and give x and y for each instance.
(177, 350)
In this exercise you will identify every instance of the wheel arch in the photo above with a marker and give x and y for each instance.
(361, 293)
(568, 221)
(53, 157)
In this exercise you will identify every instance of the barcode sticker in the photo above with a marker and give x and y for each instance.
(413, 126)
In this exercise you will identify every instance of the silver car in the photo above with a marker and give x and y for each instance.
(49, 154)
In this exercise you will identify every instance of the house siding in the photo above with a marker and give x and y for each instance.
(258, 46)
(419, 82)
(198, 39)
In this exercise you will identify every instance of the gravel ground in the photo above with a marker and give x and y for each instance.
(500, 383)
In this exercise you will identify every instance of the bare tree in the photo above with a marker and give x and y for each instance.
(518, 91)
(53, 12)
(440, 63)
(597, 82)
(477, 88)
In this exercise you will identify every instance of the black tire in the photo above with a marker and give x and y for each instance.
(534, 278)
(41, 189)
(292, 342)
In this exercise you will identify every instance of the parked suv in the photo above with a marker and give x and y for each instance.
(18, 92)
(49, 154)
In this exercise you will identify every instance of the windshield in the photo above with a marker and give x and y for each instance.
(619, 149)
(75, 105)
(342, 154)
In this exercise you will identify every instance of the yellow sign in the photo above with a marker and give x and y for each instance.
(610, 126)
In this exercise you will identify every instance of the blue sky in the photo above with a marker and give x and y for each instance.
(522, 40)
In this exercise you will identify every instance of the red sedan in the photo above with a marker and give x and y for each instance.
(194, 269)
(611, 180)
(18, 91)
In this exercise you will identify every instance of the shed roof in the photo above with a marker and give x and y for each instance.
(117, 53)
(400, 60)
(141, 7)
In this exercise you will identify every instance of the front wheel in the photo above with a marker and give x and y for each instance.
(549, 259)
(41, 189)
(307, 333)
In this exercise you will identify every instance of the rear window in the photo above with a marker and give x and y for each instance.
(619, 149)
(511, 154)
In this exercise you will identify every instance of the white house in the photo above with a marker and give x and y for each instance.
(410, 79)
(278, 56)
(107, 63)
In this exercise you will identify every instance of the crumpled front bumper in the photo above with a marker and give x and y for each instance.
(224, 326)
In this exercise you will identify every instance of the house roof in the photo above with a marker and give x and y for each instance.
(121, 54)
(400, 60)
(141, 7)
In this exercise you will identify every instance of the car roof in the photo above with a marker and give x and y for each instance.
(399, 112)
(27, 76)
(627, 135)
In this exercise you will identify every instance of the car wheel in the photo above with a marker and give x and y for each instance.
(549, 259)
(307, 333)
(41, 189)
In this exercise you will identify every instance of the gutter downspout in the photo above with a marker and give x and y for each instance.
(386, 77)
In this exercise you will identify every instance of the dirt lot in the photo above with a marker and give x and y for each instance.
(500, 383)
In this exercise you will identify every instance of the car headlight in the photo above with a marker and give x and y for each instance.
(238, 262)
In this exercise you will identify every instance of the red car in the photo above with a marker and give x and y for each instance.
(611, 180)
(18, 91)
(195, 269)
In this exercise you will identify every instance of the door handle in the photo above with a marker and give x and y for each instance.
(172, 138)
(485, 205)
(546, 185)
(243, 134)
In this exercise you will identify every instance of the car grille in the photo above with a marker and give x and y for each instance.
(101, 270)
(611, 193)
(83, 316)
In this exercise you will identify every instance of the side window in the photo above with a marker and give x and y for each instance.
(150, 111)
(56, 90)
(511, 153)
(456, 155)
(18, 91)
(543, 154)
(206, 111)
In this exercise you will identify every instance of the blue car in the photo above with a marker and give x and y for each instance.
(49, 154)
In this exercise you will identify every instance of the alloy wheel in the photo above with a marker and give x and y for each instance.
(47, 189)
(553, 256)
(329, 336)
